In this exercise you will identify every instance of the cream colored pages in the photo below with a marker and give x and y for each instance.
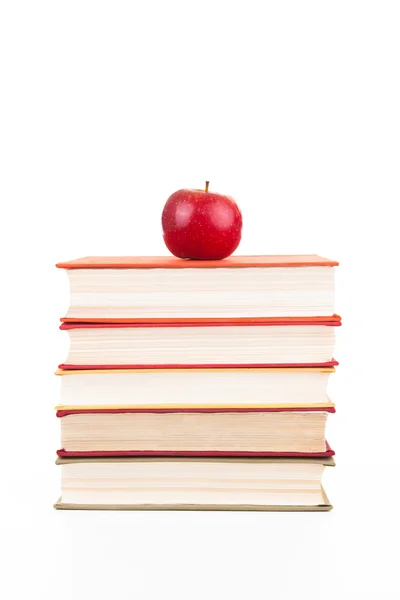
(201, 293)
(195, 388)
(218, 432)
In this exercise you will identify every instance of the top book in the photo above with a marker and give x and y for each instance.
(161, 289)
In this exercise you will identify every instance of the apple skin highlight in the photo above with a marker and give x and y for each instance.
(201, 225)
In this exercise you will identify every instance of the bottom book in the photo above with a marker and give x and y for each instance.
(248, 484)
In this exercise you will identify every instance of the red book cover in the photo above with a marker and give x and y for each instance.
(188, 409)
(167, 322)
(334, 321)
(69, 367)
(64, 453)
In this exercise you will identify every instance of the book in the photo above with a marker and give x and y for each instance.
(194, 388)
(148, 289)
(193, 484)
(229, 432)
(273, 343)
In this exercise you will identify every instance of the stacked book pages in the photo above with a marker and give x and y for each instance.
(197, 384)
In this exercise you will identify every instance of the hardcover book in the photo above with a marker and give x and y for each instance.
(234, 344)
(194, 432)
(260, 484)
(195, 388)
(151, 289)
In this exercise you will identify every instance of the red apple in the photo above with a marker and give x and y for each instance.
(202, 225)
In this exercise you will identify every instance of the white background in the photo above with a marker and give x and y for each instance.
(293, 108)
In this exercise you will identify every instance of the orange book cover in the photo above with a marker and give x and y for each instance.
(170, 262)
(207, 321)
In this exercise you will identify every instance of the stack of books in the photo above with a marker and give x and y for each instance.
(197, 384)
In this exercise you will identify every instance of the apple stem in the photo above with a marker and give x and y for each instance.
(207, 184)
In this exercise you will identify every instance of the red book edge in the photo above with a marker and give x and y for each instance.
(334, 321)
(120, 410)
(67, 366)
(63, 453)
